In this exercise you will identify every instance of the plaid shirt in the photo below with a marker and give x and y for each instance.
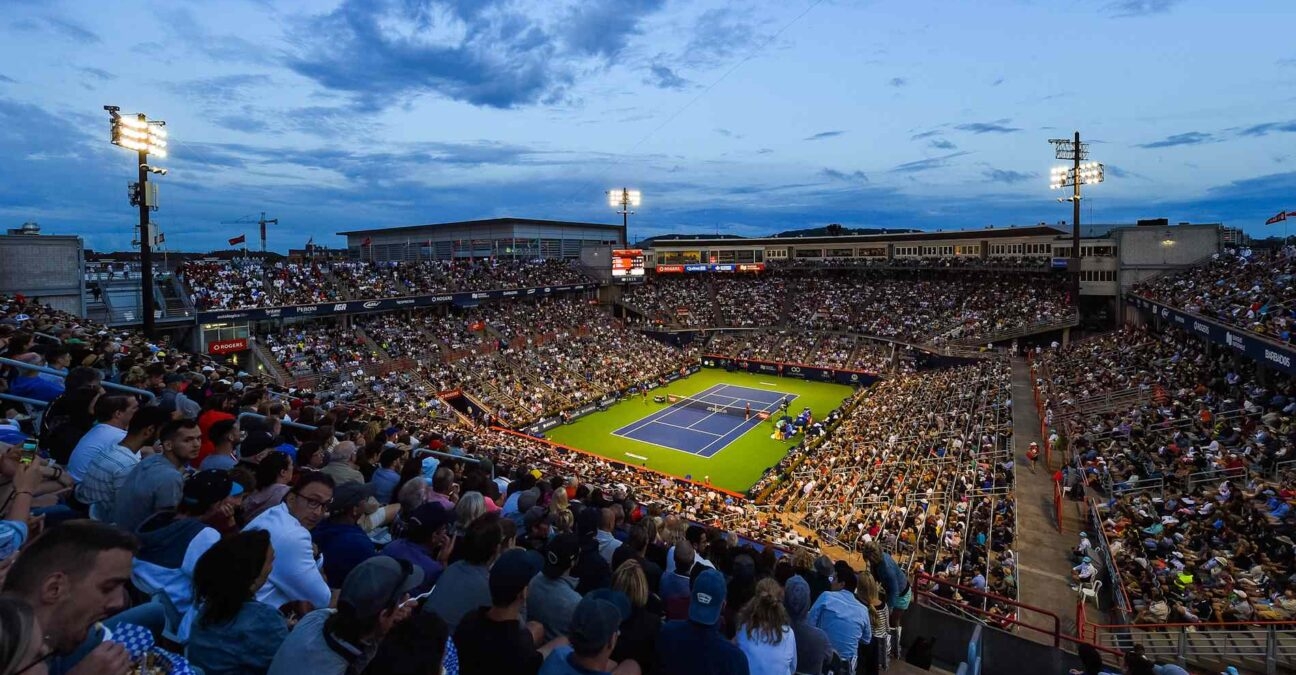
(103, 477)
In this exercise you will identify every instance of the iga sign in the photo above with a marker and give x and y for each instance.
(221, 347)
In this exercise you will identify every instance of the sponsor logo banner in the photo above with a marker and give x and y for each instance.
(1269, 354)
(227, 346)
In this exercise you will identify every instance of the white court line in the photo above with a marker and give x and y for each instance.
(654, 416)
(698, 431)
(769, 384)
(667, 447)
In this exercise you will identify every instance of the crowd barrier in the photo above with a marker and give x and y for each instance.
(797, 370)
(110, 386)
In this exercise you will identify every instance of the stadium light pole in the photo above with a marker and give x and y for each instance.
(137, 132)
(623, 199)
(1073, 177)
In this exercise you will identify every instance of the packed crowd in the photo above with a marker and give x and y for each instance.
(961, 262)
(323, 539)
(318, 348)
(1238, 287)
(922, 467)
(828, 350)
(240, 284)
(671, 301)
(1188, 455)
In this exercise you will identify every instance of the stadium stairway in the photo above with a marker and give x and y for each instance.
(272, 366)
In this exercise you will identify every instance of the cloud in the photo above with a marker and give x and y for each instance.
(1005, 176)
(822, 135)
(1188, 138)
(602, 27)
(925, 134)
(999, 126)
(728, 134)
(97, 73)
(7, 80)
(718, 35)
(764, 151)
(998, 81)
(852, 177)
(663, 77)
(1267, 127)
(898, 82)
(942, 144)
(59, 26)
(928, 164)
(221, 90)
(1285, 63)
(1118, 172)
(1130, 8)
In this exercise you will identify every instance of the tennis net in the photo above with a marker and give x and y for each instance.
(738, 409)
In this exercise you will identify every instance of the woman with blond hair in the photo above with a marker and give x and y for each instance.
(765, 632)
(869, 593)
(639, 631)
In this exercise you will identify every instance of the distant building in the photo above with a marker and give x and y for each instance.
(495, 237)
(43, 267)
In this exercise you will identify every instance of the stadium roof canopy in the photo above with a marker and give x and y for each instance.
(939, 235)
(488, 222)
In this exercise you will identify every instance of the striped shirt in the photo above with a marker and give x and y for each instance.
(103, 477)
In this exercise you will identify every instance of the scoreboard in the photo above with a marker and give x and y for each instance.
(627, 263)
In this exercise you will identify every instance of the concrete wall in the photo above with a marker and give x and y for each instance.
(1002, 653)
(44, 267)
(1148, 251)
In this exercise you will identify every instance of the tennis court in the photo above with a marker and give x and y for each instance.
(704, 423)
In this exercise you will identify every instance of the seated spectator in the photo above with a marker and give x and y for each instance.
(464, 586)
(29, 383)
(593, 637)
(296, 574)
(764, 632)
(552, 595)
(74, 576)
(374, 599)
(107, 472)
(342, 467)
(224, 436)
(387, 476)
(695, 645)
(341, 541)
(492, 639)
(813, 649)
(23, 649)
(639, 630)
(173, 400)
(420, 644)
(157, 482)
(273, 475)
(113, 415)
(425, 541)
(173, 540)
(234, 633)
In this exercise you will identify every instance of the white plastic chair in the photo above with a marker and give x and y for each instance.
(1090, 590)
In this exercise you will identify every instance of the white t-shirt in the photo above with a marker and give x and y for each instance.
(101, 437)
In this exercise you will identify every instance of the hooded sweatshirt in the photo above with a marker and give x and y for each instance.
(813, 649)
(170, 547)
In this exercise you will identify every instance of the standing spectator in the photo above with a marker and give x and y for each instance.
(879, 614)
(107, 472)
(492, 639)
(677, 584)
(695, 646)
(296, 575)
(113, 414)
(387, 476)
(340, 539)
(336, 642)
(464, 586)
(425, 542)
(892, 580)
(552, 596)
(813, 649)
(74, 576)
(591, 568)
(234, 634)
(173, 400)
(842, 617)
(156, 483)
(172, 542)
(764, 632)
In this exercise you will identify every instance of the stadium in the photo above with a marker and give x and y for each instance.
(439, 439)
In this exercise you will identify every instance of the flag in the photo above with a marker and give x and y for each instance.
(238, 240)
(1282, 215)
(367, 241)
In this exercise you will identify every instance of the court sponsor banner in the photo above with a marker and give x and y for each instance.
(386, 304)
(227, 346)
(1270, 354)
(796, 370)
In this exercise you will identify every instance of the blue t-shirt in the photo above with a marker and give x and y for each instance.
(687, 648)
(559, 663)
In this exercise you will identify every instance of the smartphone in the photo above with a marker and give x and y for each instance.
(28, 451)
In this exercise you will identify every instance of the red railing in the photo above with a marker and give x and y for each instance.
(1057, 504)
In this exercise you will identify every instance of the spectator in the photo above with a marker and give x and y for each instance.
(593, 638)
(764, 632)
(591, 568)
(552, 596)
(387, 476)
(273, 475)
(813, 649)
(234, 633)
(425, 542)
(676, 585)
(374, 598)
(29, 383)
(892, 580)
(295, 574)
(217, 407)
(107, 472)
(113, 414)
(492, 639)
(224, 435)
(173, 400)
(640, 629)
(341, 541)
(607, 543)
(695, 645)
(342, 466)
(156, 483)
(173, 540)
(420, 644)
(74, 576)
(842, 617)
(464, 586)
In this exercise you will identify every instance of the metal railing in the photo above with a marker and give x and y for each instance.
(112, 386)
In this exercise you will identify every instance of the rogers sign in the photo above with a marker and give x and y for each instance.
(227, 346)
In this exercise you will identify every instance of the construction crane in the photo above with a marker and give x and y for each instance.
(248, 220)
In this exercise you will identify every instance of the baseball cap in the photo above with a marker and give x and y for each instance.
(11, 435)
(377, 584)
(708, 598)
(205, 488)
(428, 518)
(561, 553)
(351, 494)
(172, 378)
(511, 573)
(593, 623)
(534, 515)
(255, 443)
(527, 499)
(588, 521)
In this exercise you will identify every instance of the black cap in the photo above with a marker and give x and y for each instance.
(206, 488)
(561, 554)
(427, 518)
(351, 494)
(255, 443)
(534, 515)
(593, 623)
(511, 573)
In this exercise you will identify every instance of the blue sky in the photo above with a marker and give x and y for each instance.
(741, 117)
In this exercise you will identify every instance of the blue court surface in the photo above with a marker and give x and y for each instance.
(705, 429)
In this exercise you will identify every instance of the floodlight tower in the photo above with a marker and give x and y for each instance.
(1073, 177)
(623, 199)
(146, 137)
